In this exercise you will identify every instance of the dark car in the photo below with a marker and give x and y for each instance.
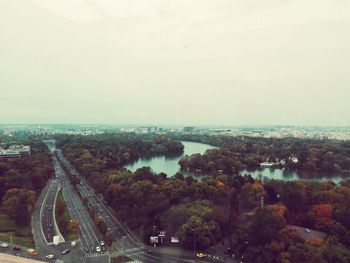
(16, 248)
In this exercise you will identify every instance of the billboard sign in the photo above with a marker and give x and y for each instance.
(175, 240)
(153, 239)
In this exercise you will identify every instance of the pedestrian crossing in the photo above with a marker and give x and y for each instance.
(95, 255)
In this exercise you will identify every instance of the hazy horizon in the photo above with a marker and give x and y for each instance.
(176, 62)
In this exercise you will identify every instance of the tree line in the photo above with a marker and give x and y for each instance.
(113, 151)
(237, 153)
(22, 179)
(249, 217)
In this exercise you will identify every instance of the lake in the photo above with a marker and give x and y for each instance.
(170, 166)
(290, 175)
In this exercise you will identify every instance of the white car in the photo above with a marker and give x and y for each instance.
(4, 245)
(102, 243)
(50, 257)
(98, 249)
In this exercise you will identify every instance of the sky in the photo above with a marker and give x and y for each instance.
(182, 62)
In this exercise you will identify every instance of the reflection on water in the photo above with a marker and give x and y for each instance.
(289, 175)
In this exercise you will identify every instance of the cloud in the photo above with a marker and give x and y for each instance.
(176, 61)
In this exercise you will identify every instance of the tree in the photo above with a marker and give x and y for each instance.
(73, 225)
(4, 167)
(22, 214)
(251, 195)
(265, 226)
(335, 251)
(322, 215)
(205, 233)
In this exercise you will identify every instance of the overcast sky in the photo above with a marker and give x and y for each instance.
(190, 62)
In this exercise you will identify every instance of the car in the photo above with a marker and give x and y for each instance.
(50, 257)
(16, 248)
(104, 249)
(4, 245)
(307, 230)
(66, 251)
(102, 243)
(98, 249)
(32, 252)
(201, 255)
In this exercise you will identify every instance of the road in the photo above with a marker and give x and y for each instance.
(42, 219)
(89, 236)
(47, 212)
(126, 242)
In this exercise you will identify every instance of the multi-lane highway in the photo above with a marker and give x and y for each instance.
(89, 236)
(44, 228)
(47, 213)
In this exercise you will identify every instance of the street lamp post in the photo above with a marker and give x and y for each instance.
(248, 243)
(123, 248)
(154, 232)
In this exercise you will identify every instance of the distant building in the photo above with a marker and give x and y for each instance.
(188, 129)
(127, 130)
(9, 154)
(15, 151)
(294, 159)
(266, 164)
(151, 129)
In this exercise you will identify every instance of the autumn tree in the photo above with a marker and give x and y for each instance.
(251, 195)
(73, 225)
(322, 215)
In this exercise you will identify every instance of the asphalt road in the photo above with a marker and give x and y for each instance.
(47, 211)
(88, 234)
(43, 227)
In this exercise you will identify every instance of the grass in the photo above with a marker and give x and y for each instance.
(20, 235)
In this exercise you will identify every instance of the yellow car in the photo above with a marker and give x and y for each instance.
(201, 255)
(32, 252)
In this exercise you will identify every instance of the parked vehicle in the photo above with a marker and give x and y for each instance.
(32, 252)
(66, 251)
(4, 245)
(16, 248)
(50, 257)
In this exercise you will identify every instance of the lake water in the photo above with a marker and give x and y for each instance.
(170, 166)
(290, 175)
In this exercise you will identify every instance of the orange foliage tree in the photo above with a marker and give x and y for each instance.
(322, 215)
